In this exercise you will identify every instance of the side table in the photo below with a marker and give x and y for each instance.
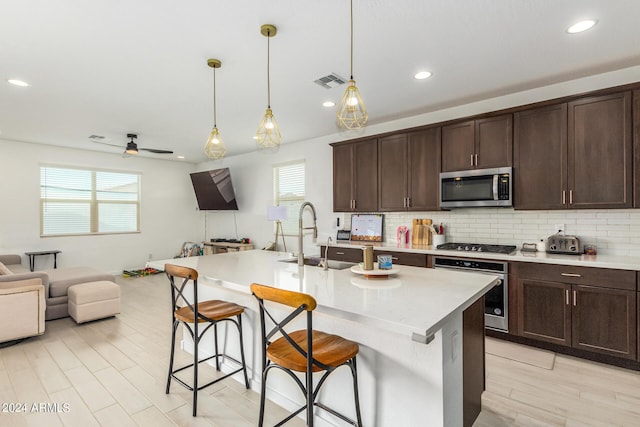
(32, 257)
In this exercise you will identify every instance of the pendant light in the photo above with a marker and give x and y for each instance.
(268, 134)
(351, 113)
(214, 148)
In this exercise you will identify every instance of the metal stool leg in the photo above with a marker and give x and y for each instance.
(215, 343)
(309, 378)
(354, 373)
(196, 341)
(173, 346)
(263, 389)
(244, 364)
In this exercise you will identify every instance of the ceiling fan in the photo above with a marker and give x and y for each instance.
(132, 148)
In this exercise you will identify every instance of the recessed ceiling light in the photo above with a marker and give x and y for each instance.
(422, 75)
(328, 104)
(16, 82)
(581, 26)
(180, 157)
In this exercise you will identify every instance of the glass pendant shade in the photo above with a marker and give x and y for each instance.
(214, 148)
(351, 113)
(268, 134)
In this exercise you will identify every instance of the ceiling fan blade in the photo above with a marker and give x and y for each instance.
(106, 143)
(154, 150)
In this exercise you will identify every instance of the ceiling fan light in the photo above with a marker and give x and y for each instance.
(351, 112)
(214, 148)
(131, 148)
(268, 134)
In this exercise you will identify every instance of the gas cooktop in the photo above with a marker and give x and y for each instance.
(476, 247)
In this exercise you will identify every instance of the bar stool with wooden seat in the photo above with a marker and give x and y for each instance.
(186, 311)
(291, 353)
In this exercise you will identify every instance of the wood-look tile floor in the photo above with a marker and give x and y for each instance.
(112, 372)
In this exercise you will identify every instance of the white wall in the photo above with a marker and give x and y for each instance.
(168, 214)
(613, 231)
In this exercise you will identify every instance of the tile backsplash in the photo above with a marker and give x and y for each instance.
(613, 232)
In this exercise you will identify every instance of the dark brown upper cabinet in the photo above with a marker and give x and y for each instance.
(478, 144)
(540, 158)
(408, 171)
(636, 148)
(355, 176)
(574, 155)
(600, 152)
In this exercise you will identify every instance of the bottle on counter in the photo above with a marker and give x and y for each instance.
(541, 246)
(367, 258)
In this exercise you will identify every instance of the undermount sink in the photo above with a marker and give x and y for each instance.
(315, 261)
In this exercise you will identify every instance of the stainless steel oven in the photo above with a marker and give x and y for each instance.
(496, 300)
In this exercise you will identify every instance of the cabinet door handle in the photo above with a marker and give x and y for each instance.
(471, 159)
(395, 258)
(575, 298)
(408, 202)
(339, 253)
(570, 197)
(571, 274)
(564, 197)
(476, 159)
(566, 295)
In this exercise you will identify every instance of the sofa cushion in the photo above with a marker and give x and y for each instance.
(4, 271)
(18, 268)
(60, 280)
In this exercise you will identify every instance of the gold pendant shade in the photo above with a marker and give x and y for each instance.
(268, 133)
(351, 112)
(214, 148)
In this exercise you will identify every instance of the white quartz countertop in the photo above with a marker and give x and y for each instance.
(414, 301)
(600, 261)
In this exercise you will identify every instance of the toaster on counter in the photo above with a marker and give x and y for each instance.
(564, 244)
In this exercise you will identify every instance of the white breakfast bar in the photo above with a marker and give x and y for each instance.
(409, 327)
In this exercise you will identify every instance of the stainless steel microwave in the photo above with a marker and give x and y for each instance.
(476, 188)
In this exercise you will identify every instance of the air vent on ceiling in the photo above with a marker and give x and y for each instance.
(331, 80)
(97, 137)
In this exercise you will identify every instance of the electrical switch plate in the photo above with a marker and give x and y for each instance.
(559, 228)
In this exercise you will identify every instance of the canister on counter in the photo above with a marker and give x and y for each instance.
(367, 258)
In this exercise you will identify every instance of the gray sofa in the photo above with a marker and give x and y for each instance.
(56, 282)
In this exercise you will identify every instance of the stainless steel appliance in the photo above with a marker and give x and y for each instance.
(496, 300)
(564, 244)
(476, 188)
(477, 247)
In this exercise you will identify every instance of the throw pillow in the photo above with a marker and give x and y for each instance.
(4, 271)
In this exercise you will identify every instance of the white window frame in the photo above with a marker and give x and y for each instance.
(290, 225)
(93, 202)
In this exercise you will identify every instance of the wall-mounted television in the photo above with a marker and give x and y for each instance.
(214, 190)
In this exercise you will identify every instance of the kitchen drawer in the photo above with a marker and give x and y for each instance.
(403, 258)
(343, 254)
(602, 277)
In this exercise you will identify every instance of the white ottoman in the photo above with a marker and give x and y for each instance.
(93, 300)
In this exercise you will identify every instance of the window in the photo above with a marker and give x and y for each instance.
(288, 189)
(78, 201)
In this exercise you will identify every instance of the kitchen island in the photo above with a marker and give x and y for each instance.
(409, 327)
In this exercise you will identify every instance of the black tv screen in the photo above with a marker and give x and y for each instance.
(214, 190)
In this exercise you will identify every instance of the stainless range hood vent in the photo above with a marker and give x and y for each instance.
(330, 81)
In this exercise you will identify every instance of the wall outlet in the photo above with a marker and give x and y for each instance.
(559, 228)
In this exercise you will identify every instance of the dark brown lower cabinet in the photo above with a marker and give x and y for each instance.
(599, 318)
(544, 313)
(472, 361)
(604, 321)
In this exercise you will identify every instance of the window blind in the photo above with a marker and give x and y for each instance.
(289, 191)
(79, 201)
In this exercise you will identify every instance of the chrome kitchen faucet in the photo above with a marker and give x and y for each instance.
(301, 229)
